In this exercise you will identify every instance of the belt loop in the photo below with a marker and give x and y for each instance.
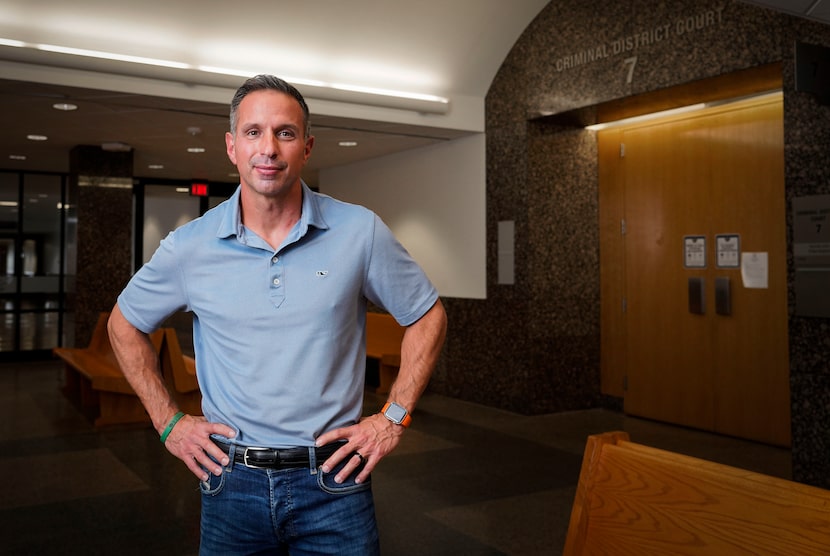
(231, 456)
(312, 460)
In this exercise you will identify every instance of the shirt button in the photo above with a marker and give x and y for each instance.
(276, 281)
(274, 259)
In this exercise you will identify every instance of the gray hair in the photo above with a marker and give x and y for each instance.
(269, 83)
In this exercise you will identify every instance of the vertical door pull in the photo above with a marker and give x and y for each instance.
(697, 305)
(723, 296)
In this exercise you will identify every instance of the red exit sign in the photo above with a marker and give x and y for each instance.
(199, 189)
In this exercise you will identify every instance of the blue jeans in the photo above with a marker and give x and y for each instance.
(292, 511)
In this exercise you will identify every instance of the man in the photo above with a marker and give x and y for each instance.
(277, 278)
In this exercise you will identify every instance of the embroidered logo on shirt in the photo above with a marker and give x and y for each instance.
(322, 272)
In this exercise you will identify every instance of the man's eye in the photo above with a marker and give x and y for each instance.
(286, 133)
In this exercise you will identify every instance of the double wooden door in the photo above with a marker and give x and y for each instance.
(682, 187)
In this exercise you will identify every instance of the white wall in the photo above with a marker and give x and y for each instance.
(163, 214)
(433, 199)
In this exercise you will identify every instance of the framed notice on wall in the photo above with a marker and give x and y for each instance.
(694, 251)
(728, 248)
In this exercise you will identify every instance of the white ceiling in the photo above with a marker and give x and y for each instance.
(448, 49)
(451, 49)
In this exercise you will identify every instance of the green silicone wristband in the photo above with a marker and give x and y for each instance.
(170, 426)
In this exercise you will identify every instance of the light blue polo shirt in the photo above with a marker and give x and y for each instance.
(279, 336)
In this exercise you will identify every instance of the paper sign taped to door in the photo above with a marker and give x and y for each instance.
(755, 270)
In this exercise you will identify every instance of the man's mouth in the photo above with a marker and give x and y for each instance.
(269, 168)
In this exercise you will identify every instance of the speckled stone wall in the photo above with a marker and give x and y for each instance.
(534, 346)
(105, 219)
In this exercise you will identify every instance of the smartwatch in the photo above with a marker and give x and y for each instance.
(396, 414)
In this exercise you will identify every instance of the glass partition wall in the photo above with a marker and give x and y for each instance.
(37, 264)
(38, 251)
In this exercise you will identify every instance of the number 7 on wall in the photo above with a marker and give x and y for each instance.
(632, 62)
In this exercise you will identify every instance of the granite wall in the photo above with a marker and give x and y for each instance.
(534, 346)
(105, 227)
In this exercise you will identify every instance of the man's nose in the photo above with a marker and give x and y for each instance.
(269, 146)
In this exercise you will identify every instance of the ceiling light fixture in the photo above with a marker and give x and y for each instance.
(65, 106)
(680, 110)
(388, 93)
(416, 101)
(116, 147)
(337, 86)
(195, 149)
(155, 166)
(36, 137)
(110, 56)
(17, 156)
(13, 43)
(347, 143)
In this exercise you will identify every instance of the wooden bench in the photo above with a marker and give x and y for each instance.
(636, 500)
(383, 343)
(179, 372)
(94, 379)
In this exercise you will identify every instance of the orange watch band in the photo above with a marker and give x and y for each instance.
(404, 422)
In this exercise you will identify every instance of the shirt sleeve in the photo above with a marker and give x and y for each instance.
(156, 291)
(395, 281)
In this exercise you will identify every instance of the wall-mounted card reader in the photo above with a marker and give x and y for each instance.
(723, 296)
(697, 301)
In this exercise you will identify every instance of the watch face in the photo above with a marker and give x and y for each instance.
(395, 413)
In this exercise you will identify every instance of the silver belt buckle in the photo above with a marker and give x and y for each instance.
(245, 456)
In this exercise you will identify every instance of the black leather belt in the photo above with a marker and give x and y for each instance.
(278, 458)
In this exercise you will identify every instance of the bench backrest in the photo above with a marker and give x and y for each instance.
(636, 500)
(173, 363)
(99, 343)
(383, 335)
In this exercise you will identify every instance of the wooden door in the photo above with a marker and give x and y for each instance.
(747, 165)
(719, 171)
(668, 377)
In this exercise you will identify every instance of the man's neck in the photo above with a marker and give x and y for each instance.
(272, 218)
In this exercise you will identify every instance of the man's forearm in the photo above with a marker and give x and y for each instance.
(420, 349)
(140, 365)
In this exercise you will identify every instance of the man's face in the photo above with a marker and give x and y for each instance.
(268, 146)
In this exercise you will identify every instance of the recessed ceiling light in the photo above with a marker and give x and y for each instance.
(65, 106)
(17, 156)
(182, 190)
(155, 166)
(34, 137)
(347, 143)
(195, 149)
(116, 147)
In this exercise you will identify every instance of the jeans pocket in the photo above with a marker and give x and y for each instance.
(213, 485)
(326, 480)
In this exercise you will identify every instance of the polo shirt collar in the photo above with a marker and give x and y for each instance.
(312, 215)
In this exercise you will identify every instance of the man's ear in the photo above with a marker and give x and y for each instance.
(229, 146)
(309, 143)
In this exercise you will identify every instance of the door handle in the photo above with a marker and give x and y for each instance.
(723, 296)
(697, 294)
